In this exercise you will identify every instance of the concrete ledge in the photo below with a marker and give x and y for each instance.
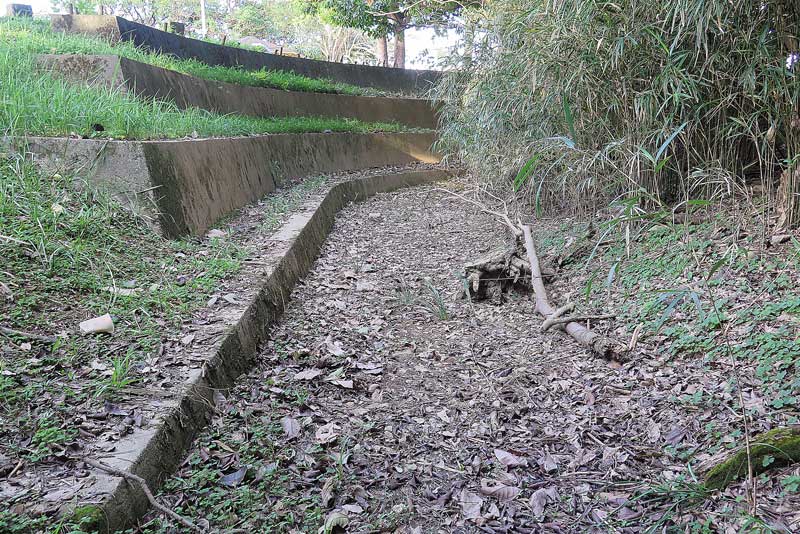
(390, 79)
(155, 453)
(185, 186)
(186, 91)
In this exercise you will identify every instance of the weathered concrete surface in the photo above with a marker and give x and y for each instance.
(390, 79)
(187, 185)
(186, 91)
(99, 70)
(118, 168)
(19, 10)
(102, 25)
(156, 452)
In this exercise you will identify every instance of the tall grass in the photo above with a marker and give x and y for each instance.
(33, 102)
(660, 100)
(36, 37)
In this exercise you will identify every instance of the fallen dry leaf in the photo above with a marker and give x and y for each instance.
(500, 491)
(508, 459)
(235, 478)
(308, 374)
(291, 427)
(541, 498)
(327, 433)
(470, 504)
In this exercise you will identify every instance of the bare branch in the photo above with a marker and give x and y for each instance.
(139, 480)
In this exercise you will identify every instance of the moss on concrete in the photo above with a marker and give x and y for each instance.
(782, 445)
(89, 518)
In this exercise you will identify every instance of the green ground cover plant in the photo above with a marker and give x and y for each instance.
(688, 283)
(253, 492)
(36, 37)
(61, 244)
(34, 103)
(702, 296)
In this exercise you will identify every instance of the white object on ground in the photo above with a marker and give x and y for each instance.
(101, 324)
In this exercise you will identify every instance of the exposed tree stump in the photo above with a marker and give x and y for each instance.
(495, 273)
(780, 444)
(499, 271)
(507, 268)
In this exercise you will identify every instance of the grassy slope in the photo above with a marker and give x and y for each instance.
(35, 103)
(61, 244)
(35, 36)
(688, 283)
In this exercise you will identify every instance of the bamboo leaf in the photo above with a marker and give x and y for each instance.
(568, 116)
(525, 172)
(666, 143)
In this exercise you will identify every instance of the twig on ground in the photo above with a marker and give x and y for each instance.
(554, 321)
(16, 468)
(146, 489)
(635, 337)
(28, 335)
(502, 217)
(551, 321)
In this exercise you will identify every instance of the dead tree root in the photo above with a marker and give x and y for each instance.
(497, 272)
(518, 266)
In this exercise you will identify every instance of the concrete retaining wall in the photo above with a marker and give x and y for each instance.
(188, 91)
(390, 79)
(185, 186)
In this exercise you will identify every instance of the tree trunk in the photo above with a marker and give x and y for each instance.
(203, 22)
(382, 51)
(400, 47)
(789, 189)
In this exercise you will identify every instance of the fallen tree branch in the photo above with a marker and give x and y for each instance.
(552, 321)
(145, 488)
(501, 217)
(598, 344)
(27, 335)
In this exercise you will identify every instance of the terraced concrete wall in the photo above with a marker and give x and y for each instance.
(390, 79)
(188, 91)
(185, 186)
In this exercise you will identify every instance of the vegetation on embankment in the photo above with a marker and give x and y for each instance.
(33, 102)
(673, 126)
(679, 99)
(69, 254)
(702, 293)
(36, 37)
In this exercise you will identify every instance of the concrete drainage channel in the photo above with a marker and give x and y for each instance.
(156, 452)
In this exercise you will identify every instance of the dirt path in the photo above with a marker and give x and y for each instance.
(385, 401)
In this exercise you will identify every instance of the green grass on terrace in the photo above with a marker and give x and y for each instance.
(35, 103)
(36, 37)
